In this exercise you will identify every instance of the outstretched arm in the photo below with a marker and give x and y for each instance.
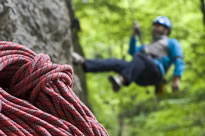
(133, 48)
(176, 55)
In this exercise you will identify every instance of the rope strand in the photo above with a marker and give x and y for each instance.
(37, 99)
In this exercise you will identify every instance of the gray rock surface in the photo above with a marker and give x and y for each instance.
(45, 27)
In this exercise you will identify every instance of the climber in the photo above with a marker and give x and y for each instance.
(150, 62)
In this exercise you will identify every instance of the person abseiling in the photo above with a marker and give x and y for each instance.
(150, 62)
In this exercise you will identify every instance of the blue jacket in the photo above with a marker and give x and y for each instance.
(175, 56)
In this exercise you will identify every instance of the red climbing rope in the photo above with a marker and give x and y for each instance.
(36, 97)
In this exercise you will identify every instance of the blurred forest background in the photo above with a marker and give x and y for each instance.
(106, 26)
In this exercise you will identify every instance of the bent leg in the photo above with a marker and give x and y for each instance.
(142, 70)
(134, 69)
(151, 75)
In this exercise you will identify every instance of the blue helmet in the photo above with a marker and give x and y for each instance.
(163, 20)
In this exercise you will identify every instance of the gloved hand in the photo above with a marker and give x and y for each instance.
(136, 29)
(175, 84)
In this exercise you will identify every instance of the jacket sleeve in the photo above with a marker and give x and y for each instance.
(176, 55)
(133, 48)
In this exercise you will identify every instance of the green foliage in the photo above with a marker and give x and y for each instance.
(106, 29)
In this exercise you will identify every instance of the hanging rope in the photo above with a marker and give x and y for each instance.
(132, 10)
(36, 97)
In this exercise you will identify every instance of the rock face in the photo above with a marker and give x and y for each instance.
(43, 26)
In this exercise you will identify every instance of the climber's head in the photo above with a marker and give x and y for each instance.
(161, 26)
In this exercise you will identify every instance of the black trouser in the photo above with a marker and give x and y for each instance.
(142, 70)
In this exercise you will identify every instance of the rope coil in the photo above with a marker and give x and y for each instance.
(37, 98)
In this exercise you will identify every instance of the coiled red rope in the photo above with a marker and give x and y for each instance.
(36, 97)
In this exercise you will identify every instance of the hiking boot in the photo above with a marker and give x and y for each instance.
(117, 82)
(77, 59)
